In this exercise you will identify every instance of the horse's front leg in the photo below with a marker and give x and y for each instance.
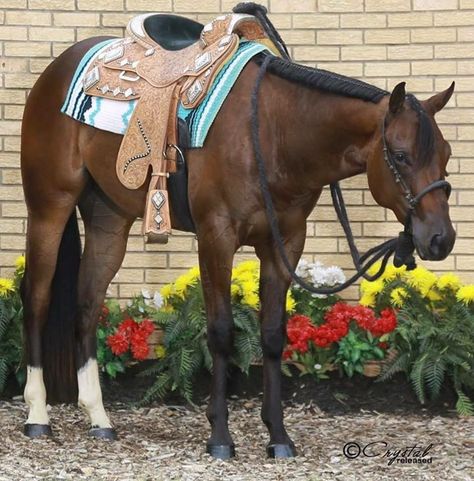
(216, 251)
(274, 283)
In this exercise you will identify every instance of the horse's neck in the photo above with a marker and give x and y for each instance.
(324, 137)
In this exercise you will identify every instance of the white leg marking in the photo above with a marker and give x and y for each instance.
(35, 396)
(90, 395)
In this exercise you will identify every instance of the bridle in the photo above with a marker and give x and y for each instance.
(405, 246)
(402, 247)
(412, 200)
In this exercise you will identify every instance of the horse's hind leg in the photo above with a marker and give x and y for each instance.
(45, 231)
(106, 233)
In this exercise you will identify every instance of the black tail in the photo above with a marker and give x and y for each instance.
(58, 347)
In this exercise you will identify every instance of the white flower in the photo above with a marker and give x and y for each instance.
(146, 294)
(302, 268)
(317, 367)
(129, 303)
(319, 275)
(158, 300)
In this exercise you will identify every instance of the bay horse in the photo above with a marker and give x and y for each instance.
(316, 128)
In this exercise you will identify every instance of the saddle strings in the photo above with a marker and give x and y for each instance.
(362, 263)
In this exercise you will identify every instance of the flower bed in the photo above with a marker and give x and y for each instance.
(434, 338)
(413, 322)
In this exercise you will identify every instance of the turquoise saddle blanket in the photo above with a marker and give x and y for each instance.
(114, 115)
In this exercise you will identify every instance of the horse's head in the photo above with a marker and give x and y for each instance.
(407, 166)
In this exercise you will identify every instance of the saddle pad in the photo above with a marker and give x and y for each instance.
(114, 115)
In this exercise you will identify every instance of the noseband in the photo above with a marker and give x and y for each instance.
(405, 246)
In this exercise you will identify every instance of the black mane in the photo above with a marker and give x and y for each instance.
(349, 87)
(324, 80)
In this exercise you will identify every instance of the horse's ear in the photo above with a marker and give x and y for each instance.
(437, 102)
(397, 98)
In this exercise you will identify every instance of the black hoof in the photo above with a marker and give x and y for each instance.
(37, 430)
(221, 451)
(103, 433)
(281, 451)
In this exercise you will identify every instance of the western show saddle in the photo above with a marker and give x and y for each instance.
(163, 59)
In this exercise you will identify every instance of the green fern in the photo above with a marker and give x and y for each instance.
(4, 318)
(185, 340)
(435, 340)
(4, 371)
(11, 342)
(159, 389)
(434, 376)
(399, 364)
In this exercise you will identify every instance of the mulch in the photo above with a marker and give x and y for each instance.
(166, 441)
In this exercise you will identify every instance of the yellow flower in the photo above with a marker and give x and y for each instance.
(167, 291)
(246, 276)
(367, 300)
(374, 268)
(391, 272)
(6, 286)
(180, 286)
(249, 287)
(193, 275)
(246, 266)
(160, 351)
(449, 281)
(466, 294)
(20, 264)
(398, 296)
(433, 295)
(371, 287)
(234, 290)
(251, 299)
(421, 279)
(290, 302)
(190, 278)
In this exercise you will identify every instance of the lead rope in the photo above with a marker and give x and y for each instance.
(362, 263)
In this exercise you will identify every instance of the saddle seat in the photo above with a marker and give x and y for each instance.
(163, 60)
(172, 32)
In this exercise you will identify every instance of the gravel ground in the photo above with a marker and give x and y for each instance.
(166, 442)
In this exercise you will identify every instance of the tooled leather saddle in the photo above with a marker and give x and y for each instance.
(163, 60)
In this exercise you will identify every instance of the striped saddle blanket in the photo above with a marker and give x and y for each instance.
(114, 116)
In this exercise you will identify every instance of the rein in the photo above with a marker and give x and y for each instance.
(403, 246)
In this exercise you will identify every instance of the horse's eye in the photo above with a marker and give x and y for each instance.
(401, 158)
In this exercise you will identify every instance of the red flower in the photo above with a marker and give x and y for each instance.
(364, 317)
(103, 315)
(385, 324)
(140, 350)
(128, 326)
(287, 354)
(301, 331)
(146, 326)
(118, 343)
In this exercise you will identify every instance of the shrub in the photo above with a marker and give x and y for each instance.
(183, 320)
(435, 333)
(11, 316)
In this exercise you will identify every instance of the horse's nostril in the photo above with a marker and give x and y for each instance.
(436, 244)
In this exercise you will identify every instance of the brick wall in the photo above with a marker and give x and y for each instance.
(428, 43)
